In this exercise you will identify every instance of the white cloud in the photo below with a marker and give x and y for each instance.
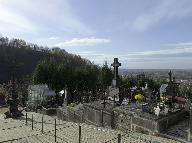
(53, 38)
(186, 44)
(12, 22)
(85, 52)
(163, 11)
(83, 42)
(40, 16)
(176, 56)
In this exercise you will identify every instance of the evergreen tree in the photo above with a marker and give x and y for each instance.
(106, 75)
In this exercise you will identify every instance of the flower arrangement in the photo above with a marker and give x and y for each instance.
(139, 97)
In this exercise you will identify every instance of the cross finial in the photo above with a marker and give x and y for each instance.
(116, 64)
(170, 76)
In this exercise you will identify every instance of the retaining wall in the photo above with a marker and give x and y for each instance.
(119, 119)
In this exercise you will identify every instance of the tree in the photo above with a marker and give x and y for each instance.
(4, 93)
(106, 75)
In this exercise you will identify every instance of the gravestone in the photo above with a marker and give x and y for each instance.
(113, 92)
(170, 76)
(65, 99)
(172, 87)
(116, 65)
(157, 111)
(166, 110)
(13, 103)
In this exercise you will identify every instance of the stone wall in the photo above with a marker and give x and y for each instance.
(121, 120)
(125, 121)
(49, 111)
(91, 116)
(141, 124)
(107, 119)
(97, 116)
(118, 118)
(170, 120)
(74, 114)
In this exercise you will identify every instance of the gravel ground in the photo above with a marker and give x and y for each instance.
(3, 110)
(15, 130)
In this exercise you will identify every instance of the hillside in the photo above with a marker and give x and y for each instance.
(19, 59)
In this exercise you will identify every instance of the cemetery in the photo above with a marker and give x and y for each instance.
(106, 115)
(124, 118)
(95, 71)
(149, 117)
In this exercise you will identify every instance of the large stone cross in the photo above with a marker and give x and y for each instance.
(170, 76)
(116, 64)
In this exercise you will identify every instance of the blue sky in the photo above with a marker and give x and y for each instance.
(141, 33)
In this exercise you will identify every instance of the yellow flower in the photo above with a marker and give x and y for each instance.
(139, 97)
(72, 104)
(163, 99)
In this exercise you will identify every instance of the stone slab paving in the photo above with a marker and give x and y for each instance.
(15, 130)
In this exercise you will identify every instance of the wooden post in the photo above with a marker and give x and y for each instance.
(26, 119)
(151, 137)
(79, 133)
(114, 99)
(104, 102)
(107, 91)
(188, 135)
(42, 125)
(103, 96)
(55, 131)
(119, 138)
(189, 124)
(131, 122)
(190, 121)
(102, 118)
(32, 121)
